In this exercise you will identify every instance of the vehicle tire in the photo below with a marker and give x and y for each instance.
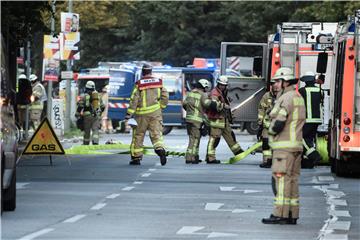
(115, 123)
(167, 130)
(252, 128)
(10, 195)
(332, 162)
(341, 168)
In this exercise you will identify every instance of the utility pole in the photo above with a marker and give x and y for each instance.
(68, 87)
(28, 72)
(50, 83)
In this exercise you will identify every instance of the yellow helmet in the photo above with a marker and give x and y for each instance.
(284, 73)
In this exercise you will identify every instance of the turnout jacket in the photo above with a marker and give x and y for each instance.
(313, 98)
(266, 104)
(195, 104)
(287, 120)
(216, 113)
(148, 97)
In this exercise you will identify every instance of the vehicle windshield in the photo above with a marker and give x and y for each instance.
(171, 81)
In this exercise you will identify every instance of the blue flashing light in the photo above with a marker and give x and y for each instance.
(210, 65)
(167, 66)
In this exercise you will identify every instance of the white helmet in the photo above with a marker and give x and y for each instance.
(33, 77)
(204, 83)
(284, 73)
(308, 77)
(223, 80)
(90, 85)
(22, 76)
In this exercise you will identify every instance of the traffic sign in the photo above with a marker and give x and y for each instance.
(66, 74)
(44, 141)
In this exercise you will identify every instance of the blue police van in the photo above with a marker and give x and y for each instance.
(177, 81)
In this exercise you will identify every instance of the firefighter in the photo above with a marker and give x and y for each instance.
(266, 104)
(147, 100)
(285, 133)
(194, 104)
(220, 118)
(313, 98)
(37, 100)
(90, 108)
(23, 98)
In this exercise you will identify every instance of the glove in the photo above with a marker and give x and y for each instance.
(77, 115)
(259, 133)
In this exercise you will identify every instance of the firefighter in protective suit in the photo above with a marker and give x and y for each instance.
(38, 98)
(90, 108)
(285, 131)
(194, 104)
(147, 100)
(220, 118)
(313, 98)
(266, 104)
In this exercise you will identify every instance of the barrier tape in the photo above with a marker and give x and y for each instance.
(242, 155)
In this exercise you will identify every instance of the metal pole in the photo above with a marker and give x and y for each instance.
(68, 87)
(50, 83)
(28, 72)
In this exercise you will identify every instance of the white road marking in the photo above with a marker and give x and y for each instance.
(191, 230)
(335, 194)
(336, 237)
(232, 189)
(158, 164)
(98, 206)
(333, 185)
(340, 225)
(242, 210)
(112, 196)
(152, 169)
(340, 213)
(213, 206)
(21, 185)
(37, 234)
(74, 218)
(146, 175)
(138, 182)
(339, 202)
(128, 188)
(326, 178)
(220, 234)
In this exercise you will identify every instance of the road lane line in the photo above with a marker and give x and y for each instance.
(213, 206)
(340, 213)
(326, 178)
(146, 175)
(112, 196)
(185, 230)
(128, 188)
(98, 206)
(138, 182)
(21, 185)
(74, 218)
(339, 202)
(340, 225)
(332, 236)
(37, 234)
(152, 169)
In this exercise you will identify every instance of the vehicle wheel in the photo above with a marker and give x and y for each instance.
(332, 164)
(252, 128)
(341, 168)
(167, 130)
(10, 195)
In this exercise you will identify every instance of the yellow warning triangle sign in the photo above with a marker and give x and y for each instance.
(44, 141)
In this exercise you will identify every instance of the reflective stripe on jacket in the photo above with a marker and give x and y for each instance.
(147, 101)
(313, 98)
(266, 104)
(217, 117)
(195, 102)
(289, 109)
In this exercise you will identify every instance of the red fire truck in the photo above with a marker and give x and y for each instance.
(344, 120)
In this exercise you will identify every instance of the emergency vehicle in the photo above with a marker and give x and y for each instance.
(294, 45)
(344, 120)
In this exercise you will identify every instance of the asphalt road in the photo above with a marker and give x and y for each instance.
(102, 197)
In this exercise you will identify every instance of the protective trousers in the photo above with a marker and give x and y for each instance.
(21, 109)
(309, 136)
(214, 139)
(91, 125)
(153, 123)
(193, 131)
(286, 171)
(267, 154)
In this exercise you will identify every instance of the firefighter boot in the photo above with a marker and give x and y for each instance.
(266, 164)
(135, 161)
(162, 154)
(197, 160)
(238, 152)
(213, 162)
(274, 220)
(291, 220)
